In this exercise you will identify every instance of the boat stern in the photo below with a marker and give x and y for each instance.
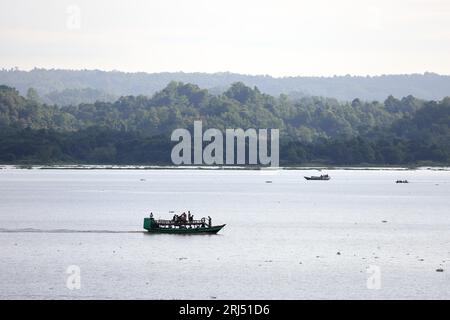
(147, 223)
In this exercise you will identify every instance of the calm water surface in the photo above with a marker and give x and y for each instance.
(289, 239)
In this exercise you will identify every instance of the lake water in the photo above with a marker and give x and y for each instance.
(357, 236)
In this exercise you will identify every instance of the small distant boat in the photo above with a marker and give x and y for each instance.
(321, 177)
(180, 225)
(402, 181)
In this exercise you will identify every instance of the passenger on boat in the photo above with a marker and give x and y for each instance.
(209, 221)
(183, 217)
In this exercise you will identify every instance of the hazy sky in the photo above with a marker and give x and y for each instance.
(276, 37)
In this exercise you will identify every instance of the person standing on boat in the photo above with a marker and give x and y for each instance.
(209, 221)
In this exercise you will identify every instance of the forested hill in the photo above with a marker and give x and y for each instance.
(136, 129)
(64, 87)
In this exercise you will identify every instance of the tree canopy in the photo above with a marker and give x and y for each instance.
(312, 129)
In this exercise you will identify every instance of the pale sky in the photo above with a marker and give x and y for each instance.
(275, 37)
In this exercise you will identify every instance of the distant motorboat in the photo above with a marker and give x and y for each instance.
(321, 177)
(402, 181)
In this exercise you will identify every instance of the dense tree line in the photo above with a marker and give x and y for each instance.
(178, 105)
(136, 129)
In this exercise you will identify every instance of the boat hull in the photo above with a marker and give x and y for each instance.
(209, 230)
(317, 178)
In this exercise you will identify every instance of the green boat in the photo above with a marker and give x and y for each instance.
(180, 225)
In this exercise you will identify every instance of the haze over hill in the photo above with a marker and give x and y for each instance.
(64, 87)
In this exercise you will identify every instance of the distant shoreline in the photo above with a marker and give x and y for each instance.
(245, 168)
